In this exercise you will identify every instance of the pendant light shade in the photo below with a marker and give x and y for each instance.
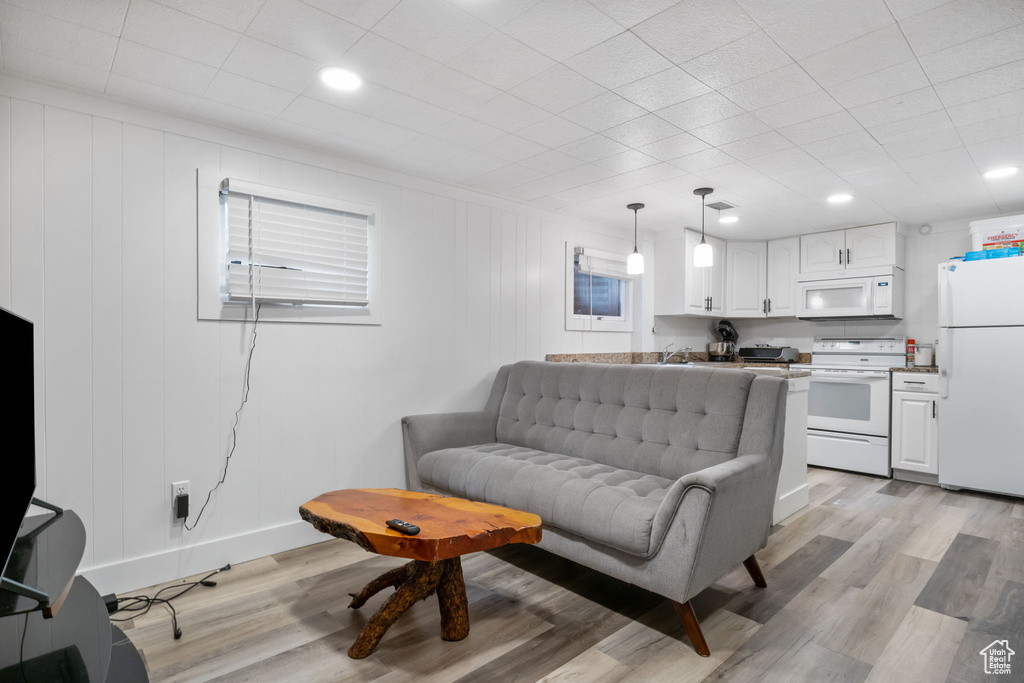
(635, 261)
(703, 254)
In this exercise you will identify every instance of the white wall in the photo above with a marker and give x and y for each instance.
(97, 247)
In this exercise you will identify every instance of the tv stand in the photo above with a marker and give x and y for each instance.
(10, 585)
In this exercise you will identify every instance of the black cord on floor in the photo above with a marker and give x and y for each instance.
(234, 427)
(139, 605)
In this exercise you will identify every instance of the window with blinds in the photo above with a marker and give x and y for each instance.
(600, 291)
(294, 252)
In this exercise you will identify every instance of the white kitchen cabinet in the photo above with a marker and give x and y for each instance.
(762, 278)
(783, 270)
(682, 289)
(868, 246)
(915, 431)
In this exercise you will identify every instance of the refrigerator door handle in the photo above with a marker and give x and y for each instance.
(945, 296)
(946, 347)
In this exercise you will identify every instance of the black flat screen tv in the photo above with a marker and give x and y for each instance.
(18, 463)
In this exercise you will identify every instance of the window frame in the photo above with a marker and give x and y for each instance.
(212, 253)
(595, 323)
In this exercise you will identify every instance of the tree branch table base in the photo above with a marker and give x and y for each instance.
(449, 528)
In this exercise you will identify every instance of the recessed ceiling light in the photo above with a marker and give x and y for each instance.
(728, 219)
(841, 198)
(1001, 172)
(340, 79)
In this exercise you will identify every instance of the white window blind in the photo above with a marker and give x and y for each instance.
(283, 251)
(601, 264)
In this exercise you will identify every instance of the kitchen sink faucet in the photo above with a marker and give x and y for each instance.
(666, 356)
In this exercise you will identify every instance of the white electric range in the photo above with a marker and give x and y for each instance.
(848, 402)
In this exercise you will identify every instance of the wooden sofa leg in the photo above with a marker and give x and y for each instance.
(755, 572)
(692, 627)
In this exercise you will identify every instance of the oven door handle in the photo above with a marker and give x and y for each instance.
(843, 374)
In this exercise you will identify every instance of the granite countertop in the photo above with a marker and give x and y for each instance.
(931, 369)
(697, 359)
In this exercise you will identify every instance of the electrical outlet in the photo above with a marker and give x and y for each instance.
(179, 488)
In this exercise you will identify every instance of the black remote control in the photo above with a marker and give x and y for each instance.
(403, 527)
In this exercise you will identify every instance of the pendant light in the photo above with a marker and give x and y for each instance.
(703, 255)
(635, 262)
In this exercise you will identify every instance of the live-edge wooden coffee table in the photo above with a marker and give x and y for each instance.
(449, 528)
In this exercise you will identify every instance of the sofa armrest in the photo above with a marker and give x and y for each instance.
(727, 512)
(425, 433)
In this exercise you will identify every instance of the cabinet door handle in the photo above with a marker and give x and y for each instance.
(840, 257)
(764, 305)
(711, 302)
(933, 410)
(847, 257)
(769, 305)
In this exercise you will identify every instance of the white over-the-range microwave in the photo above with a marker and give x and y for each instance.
(854, 294)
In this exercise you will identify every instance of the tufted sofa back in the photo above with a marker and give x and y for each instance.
(664, 421)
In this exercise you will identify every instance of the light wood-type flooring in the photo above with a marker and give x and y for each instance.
(876, 580)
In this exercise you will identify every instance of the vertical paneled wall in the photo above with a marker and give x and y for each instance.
(97, 247)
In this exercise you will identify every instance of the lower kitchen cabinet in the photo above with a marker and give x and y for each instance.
(915, 431)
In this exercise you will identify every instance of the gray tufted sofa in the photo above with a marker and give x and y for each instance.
(661, 476)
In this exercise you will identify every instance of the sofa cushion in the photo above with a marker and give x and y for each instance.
(664, 421)
(605, 504)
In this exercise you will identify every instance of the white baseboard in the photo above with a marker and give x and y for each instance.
(791, 502)
(139, 572)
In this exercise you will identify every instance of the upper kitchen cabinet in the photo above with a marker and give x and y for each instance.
(680, 288)
(868, 246)
(762, 278)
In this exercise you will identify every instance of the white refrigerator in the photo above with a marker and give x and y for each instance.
(981, 375)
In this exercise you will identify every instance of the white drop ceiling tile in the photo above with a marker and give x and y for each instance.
(472, 164)
(554, 132)
(674, 147)
(431, 149)
(629, 14)
(619, 61)
(562, 28)
(502, 179)
(593, 148)
(740, 60)
(994, 129)
(465, 131)
(829, 126)
(305, 30)
(501, 61)
(512, 148)
(105, 16)
(841, 145)
(160, 68)
(434, 28)
(148, 95)
(771, 88)
(557, 89)
(828, 24)
(768, 12)
(859, 161)
(414, 114)
(535, 189)
(755, 146)
(663, 89)
(689, 29)
(232, 14)
(551, 161)
(25, 31)
(451, 89)
(700, 111)
(226, 114)
(181, 34)
(792, 160)
(317, 115)
(507, 113)
(988, 108)
(701, 161)
(798, 109)
(920, 145)
(988, 83)
(859, 57)
(580, 175)
(998, 153)
(994, 49)
(899, 107)
(363, 13)
(959, 21)
(269, 64)
(730, 130)
(368, 99)
(604, 111)
(943, 167)
(655, 173)
(386, 63)
(917, 126)
(497, 14)
(895, 80)
(47, 68)
(642, 131)
(248, 94)
(381, 133)
(626, 161)
(902, 9)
